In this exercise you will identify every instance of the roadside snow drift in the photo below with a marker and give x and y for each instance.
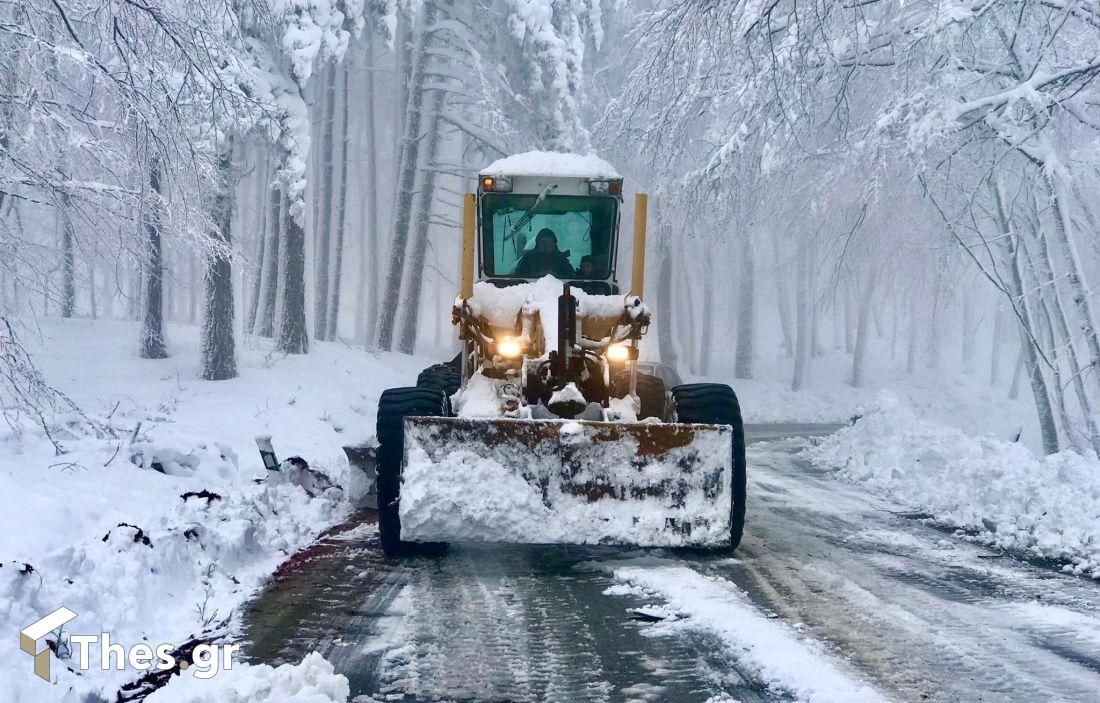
(1001, 492)
(150, 514)
(311, 681)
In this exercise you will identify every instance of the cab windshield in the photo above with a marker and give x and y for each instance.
(566, 236)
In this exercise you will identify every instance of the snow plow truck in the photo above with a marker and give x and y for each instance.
(546, 429)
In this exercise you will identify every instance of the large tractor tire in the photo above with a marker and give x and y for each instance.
(393, 407)
(442, 377)
(716, 403)
(652, 393)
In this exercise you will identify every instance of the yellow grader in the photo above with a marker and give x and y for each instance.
(546, 429)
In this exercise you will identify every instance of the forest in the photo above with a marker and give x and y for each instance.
(909, 183)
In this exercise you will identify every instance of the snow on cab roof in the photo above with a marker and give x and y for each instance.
(552, 163)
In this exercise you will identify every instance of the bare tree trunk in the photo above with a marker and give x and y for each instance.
(968, 331)
(1017, 372)
(690, 348)
(292, 336)
(894, 336)
(192, 287)
(406, 178)
(803, 300)
(863, 316)
(1061, 332)
(366, 303)
(782, 298)
(849, 317)
(269, 274)
(1047, 426)
(413, 281)
(261, 201)
(995, 354)
(1041, 317)
(934, 321)
(707, 332)
(219, 355)
(341, 214)
(666, 344)
(68, 259)
(93, 302)
(746, 315)
(152, 327)
(323, 229)
(1074, 274)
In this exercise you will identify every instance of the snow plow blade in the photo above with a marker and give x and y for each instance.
(566, 482)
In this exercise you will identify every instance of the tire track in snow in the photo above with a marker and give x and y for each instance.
(526, 624)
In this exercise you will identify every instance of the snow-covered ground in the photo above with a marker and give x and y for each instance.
(998, 491)
(311, 681)
(130, 548)
(948, 396)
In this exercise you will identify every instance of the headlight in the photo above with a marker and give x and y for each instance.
(618, 353)
(496, 184)
(509, 348)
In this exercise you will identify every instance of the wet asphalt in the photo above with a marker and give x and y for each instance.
(916, 611)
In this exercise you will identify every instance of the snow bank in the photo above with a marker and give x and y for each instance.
(158, 521)
(773, 651)
(1048, 506)
(178, 568)
(312, 681)
(552, 163)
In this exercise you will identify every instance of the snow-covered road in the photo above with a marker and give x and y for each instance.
(835, 595)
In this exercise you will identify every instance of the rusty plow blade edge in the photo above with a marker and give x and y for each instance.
(566, 482)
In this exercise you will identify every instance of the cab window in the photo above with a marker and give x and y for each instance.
(582, 225)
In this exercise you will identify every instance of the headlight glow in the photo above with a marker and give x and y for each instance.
(618, 353)
(509, 348)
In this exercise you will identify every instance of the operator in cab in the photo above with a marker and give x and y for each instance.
(545, 259)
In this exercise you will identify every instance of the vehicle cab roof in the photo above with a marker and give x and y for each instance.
(553, 164)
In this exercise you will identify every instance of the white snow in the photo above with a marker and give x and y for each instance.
(484, 487)
(774, 652)
(478, 399)
(554, 164)
(624, 409)
(500, 306)
(1049, 506)
(569, 394)
(62, 513)
(311, 681)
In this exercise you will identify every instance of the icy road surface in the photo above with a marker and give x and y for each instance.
(834, 595)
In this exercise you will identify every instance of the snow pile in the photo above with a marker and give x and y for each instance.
(554, 164)
(570, 482)
(478, 399)
(151, 525)
(311, 681)
(778, 655)
(1000, 491)
(167, 573)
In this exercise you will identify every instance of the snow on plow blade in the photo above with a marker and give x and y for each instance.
(566, 482)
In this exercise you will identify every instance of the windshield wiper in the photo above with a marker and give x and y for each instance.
(527, 216)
